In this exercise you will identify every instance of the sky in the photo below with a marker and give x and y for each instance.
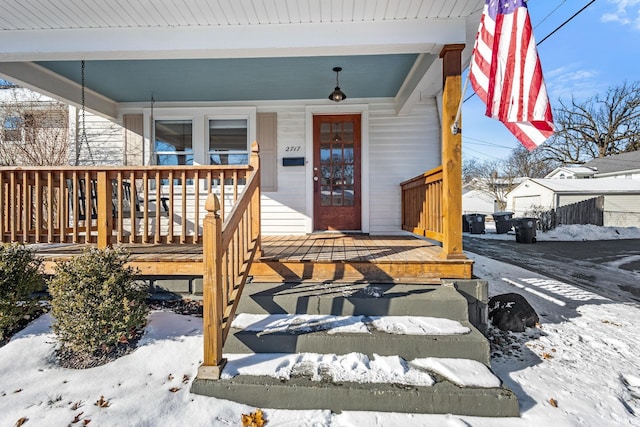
(598, 49)
(579, 368)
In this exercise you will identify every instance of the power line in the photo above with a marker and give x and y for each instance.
(482, 142)
(566, 22)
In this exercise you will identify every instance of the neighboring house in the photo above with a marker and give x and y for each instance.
(477, 201)
(40, 130)
(623, 165)
(621, 197)
(571, 172)
(487, 195)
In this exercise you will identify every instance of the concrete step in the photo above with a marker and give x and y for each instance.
(472, 345)
(354, 299)
(443, 397)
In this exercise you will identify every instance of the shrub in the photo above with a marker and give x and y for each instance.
(97, 303)
(20, 277)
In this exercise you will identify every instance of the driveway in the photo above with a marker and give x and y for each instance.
(610, 268)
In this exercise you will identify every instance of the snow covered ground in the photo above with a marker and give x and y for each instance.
(580, 368)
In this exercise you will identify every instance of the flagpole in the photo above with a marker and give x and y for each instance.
(455, 127)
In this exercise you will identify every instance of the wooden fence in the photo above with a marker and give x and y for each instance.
(589, 211)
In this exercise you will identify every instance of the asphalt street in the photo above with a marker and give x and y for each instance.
(610, 268)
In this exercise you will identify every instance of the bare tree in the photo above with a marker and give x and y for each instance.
(530, 164)
(35, 130)
(600, 126)
(491, 177)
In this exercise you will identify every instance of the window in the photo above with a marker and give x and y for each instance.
(228, 142)
(174, 142)
(11, 128)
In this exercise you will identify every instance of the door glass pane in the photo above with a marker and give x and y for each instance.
(325, 195)
(325, 132)
(325, 153)
(348, 195)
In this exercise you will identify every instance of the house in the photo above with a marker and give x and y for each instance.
(623, 165)
(571, 172)
(621, 197)
(350, 102)
(28, 116)
(477, 201)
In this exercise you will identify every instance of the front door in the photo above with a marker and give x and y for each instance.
(336, 172)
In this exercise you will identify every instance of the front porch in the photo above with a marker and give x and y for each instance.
(324, 257)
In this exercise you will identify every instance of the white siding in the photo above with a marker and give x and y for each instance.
(284, 211)
(622, 210)
(523, 204)
(400, 147)
(105, 140)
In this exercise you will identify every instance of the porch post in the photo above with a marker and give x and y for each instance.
(212, 313)
(105, 209)
(254, 161)
(451, 152)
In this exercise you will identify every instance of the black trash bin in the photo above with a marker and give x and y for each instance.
(465, 224)
(476, 223)
(502, 221)
(525, 229)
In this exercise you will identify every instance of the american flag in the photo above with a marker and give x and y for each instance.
(506, 73)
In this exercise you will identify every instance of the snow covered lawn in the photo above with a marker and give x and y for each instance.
(581, 368)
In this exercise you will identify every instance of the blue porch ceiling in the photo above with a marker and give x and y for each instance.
(240, 79)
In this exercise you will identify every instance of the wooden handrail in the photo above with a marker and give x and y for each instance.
(161, 204)
(422, 205)
(229, 248)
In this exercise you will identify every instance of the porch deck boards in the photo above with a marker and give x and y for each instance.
(315, 257)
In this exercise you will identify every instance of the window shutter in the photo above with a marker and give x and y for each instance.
(133, 139)
(267, 135)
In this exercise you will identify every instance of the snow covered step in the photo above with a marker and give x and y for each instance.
(357, 382)
(409, 337)
(353, 299)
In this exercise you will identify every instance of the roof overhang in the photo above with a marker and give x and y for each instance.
(389, 51)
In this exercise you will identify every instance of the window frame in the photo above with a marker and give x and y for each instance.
(200, 127)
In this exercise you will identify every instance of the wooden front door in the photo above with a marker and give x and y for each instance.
(336, 172)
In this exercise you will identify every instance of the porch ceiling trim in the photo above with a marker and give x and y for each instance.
(243, 41)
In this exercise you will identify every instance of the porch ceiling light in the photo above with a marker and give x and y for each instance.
(337, 95)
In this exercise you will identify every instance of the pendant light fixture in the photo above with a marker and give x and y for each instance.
(337, 95)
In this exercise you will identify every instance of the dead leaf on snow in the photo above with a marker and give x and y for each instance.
(553, 402)
(185, 379)
(170, 377)
(102, 402)
(547, 356)
(17, 391)
(20, 422)
(174, 389)
(76, 419)
(254, 419)
(85, 422)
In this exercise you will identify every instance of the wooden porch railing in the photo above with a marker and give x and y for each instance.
(229, 249)
(108, 205)
(422, 205)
